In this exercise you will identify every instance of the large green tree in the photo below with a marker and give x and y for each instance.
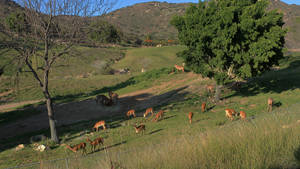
(230, 39)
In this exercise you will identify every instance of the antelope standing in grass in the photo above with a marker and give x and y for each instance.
(159, 115)
(230, 113)
(210, 88)
(203, 106)
(95, 143)
(75, 148)
(242, 115)
(99, 124)
(190, 117)
(149, 110)
(179, 67)
(270, 104)
(140, 128)
(131, 113)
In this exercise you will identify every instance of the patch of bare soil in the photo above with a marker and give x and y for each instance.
(8, 107)
(73, 112)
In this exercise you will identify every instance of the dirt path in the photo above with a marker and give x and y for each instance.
(8, 107)
(73, 112)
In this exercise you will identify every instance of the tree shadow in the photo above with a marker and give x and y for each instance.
(78, 125)
(274, 81)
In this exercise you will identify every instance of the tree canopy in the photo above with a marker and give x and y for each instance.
(231, 39)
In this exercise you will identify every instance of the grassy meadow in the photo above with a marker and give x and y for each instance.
(264, 140)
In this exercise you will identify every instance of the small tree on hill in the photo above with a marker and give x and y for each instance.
(230, 39)
(55, 26)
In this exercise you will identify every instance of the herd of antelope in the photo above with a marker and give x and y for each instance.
(229, 113)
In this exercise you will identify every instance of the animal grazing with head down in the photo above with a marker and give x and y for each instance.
(179, 67)
(140, 128)
(230, 113)
(190, 117)
(270, 104)
(210, 88)
(95, 143)
(149, 110)
(242, 115)
(75, 148)
(203, 106)
(131, 113)
(159, 115)
(99, 124)
(113, 97)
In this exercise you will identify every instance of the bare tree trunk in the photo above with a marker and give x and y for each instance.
(218, 92)
(51, 117)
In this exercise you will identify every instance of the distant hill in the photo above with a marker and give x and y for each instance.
(153, 18)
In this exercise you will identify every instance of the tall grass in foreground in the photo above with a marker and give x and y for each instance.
(269, 141)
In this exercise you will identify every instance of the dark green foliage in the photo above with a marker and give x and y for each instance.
(17, 22)
(231, 39)
(104, 32)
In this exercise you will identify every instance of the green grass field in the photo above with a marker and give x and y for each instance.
(212, 141)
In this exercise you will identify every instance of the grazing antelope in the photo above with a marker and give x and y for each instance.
(113, 97)
(190, 117)
(210, 88)
(95, 143)
(270, 104)
(179, 67)
(149, 110)
(159, 115)
(99, 124)
(131, 113)
(140, 128)
(230, 113)
(203, 106)
(242, 115)
(77, 147)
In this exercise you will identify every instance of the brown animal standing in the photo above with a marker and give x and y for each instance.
(190, 117)
(242, 115)
(149, 110)
(210, 88)
(230, 113)
(203, 106)
(99, 124)
(80, 146)
(95, 143)
(270, 104)
(131, 113)
(159, 115)
(140, 128)
(179, 67)
(113, 97)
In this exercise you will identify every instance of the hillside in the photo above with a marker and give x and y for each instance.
(153, 18)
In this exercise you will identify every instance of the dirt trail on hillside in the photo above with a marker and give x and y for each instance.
(73, 112)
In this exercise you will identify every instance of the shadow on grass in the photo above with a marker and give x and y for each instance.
(77, 131)
(155, 131)
(275, 81)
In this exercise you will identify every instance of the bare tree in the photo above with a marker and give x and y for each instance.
(54, 26)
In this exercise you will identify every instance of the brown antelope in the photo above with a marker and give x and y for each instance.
(270, 104)
(140, 128)
(77, 147)
(131, 113)
(203, 106)
(113, 97)
(242, 115)
(210, 88)
(179, 67)
(99, 124)
(149, 110)
(230, 113)
(190, 117)
(95, 143)
(159, 115)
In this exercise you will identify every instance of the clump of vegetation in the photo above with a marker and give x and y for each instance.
(103, 32)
